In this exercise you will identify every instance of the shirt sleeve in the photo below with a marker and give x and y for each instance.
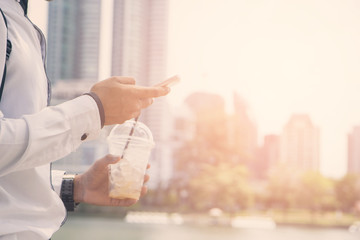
(47, 136)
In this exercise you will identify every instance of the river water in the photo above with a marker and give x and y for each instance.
(90, 228)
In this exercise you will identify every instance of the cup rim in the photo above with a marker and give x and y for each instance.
(132, 122)
(132, 140)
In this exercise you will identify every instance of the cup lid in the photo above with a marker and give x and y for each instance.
(140, 130)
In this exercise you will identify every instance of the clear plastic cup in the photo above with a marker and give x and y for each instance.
(133, 142)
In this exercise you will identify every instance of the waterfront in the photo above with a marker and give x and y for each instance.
(94, 228)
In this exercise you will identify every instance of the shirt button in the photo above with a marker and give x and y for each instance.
(84, 136)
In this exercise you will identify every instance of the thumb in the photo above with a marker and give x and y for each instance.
(110, 159)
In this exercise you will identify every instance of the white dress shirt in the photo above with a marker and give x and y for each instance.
(33, 135)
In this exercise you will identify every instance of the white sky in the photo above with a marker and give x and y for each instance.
(282, 56)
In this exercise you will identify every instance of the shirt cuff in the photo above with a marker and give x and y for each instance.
(56, 180)
(90, 126)
(100, 106)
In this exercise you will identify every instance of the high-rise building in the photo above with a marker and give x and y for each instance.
(271, 149)
(354, 151)
(300, 144)
(243, 130)
(73, 63)
(268, 156)
(73, 39)
(140, 50)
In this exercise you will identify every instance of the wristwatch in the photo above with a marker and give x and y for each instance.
(67, 192)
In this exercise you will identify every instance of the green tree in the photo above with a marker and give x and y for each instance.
(223, 186)
(199, 160)
(281, 188)
(209, 144)
(347, 191)
(315, 192)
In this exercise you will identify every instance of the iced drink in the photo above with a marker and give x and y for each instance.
(126, 177)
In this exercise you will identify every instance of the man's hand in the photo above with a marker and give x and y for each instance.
(93, 186)
(123, 100)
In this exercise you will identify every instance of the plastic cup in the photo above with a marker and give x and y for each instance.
(133, 141)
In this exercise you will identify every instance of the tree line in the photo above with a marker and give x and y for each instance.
(214, 169)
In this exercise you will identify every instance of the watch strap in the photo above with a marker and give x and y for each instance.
(67, 192)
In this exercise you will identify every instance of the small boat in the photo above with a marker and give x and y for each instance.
(253, 223)
(355, 227)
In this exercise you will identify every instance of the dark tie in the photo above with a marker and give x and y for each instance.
(24, 5)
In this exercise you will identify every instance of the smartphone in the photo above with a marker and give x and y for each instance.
(169, 82)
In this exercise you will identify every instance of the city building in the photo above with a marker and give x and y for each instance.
(354, 151)
(243, 131)
(201, 134)
(299, 147)
(269, 156)
(73, 39)
(208, 111)
(140, 30)
(184, 130)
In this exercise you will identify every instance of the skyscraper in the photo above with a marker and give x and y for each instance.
(140, 50)
(73, 39)
(243, 130)
(268, 156)
(354, 151)
(300, 143)
(73, 63)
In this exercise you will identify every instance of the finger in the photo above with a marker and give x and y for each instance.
(125, 80)
(112, 159)
(148, 166)
(146, 102)
(115, 202)
(122, 202)
(146, 178)
(108, 159)
(128, 202)
(143, 191)
(151, 92)
(135, 114)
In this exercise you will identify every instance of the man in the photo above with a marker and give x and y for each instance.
(32, 134)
